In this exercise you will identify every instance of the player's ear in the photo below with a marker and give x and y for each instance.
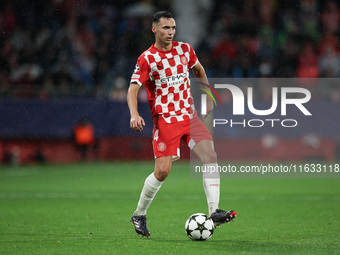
(153, 29)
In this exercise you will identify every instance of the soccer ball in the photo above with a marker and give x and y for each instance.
(199, 227)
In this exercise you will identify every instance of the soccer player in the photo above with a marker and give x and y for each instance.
(164, 69)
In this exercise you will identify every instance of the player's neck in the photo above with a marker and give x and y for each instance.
(162, 46)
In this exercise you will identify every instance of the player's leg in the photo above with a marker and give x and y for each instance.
(162, 167)
(202, 144)
(151, 186)
(166, 147)
(211, 182)
(153, 183)
(211, 179)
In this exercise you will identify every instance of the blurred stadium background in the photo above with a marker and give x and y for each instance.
(63, 62)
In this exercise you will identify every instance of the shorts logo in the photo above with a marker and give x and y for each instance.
(184, 60)
(161, 147)
(136, 69)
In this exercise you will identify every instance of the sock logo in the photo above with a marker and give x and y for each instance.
(148, 195)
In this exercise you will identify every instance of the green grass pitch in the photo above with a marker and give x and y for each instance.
(86, 209)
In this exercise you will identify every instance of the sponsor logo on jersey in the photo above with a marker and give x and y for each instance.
(174, 78)
(135, 76)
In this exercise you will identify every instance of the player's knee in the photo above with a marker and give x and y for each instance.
(162, 172)
(209, 157)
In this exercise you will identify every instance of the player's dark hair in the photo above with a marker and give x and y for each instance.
(161, 14)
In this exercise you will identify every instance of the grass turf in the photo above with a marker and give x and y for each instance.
(86, 209)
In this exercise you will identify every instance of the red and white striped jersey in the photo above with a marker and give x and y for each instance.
(166, 78)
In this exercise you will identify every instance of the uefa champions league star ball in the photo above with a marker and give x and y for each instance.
(199, 227)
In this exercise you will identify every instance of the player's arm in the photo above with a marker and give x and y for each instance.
(136, 121)
(201, 76)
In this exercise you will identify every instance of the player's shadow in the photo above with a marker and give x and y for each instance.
(232, 245)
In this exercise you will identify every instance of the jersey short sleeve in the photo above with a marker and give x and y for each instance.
(193, 57)
(141, 72)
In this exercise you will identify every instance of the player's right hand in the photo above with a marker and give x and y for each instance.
(137, 123)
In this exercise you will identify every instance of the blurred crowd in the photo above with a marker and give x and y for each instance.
(88, 48)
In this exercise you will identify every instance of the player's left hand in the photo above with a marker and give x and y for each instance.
(137, 123)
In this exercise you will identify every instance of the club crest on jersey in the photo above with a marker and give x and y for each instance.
(136, 69)
(161, 147)
(184, 60)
